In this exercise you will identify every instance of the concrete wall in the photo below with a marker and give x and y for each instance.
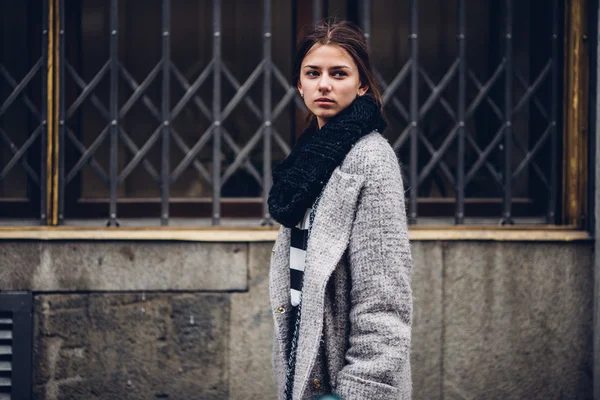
(143, 320)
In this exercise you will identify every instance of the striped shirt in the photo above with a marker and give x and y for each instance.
(298, 243)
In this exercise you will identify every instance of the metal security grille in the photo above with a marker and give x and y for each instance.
(158, 113)
(23, 109)
(15, 345)
(502, 150)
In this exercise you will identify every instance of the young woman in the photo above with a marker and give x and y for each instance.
(341, 266)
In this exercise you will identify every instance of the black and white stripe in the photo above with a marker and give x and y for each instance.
(298, 243)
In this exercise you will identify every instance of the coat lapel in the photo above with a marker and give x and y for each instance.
(328, 241)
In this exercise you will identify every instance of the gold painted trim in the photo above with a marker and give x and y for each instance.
(50, 112)
(56, 108)
(575, 136)
(270, 234)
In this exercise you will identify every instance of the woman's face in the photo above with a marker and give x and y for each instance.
(329, 81)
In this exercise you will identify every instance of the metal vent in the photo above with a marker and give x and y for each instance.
(16, 330)
(6, 335)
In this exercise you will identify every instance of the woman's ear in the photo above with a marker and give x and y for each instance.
(299, 86)
(362, 89)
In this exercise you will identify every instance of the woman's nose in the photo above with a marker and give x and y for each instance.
(325, 84)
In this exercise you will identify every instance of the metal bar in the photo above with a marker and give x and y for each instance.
(267, 130)
(531, 154)
(20, 87)
(204, 110)
(185, 149)
(89, 152)
(60, 187)
(81, 148)
(365, 19)
(575, 137)
(483, 156)
(139, 91)
(244, 152)
(191, 91)
(536, 101)
(130, 144)
(19, 153)
(186, 85)
(243, 91)
(436, 91)
(236, 86)
(281, 143)
(523, 149)
(141, 154)
(484, 92)
(489, 166)
(553, 113)
(216, 132)
(403, 137)
(317, 10)
(507, 206)
(414, 109)
(436, 156)
(13, 83)
(384, 86)
(105, 113)
(530, 90)
(165, 111)
(285, 100)
(56, 112)
(82, 85)
(44, 116)
(462, 85)
(189, 155)
(135, 86)
(283, 81)
(247, 164)
(88, 89)
(50, 120)
(114, 112)
(141, 88)
(391, 88)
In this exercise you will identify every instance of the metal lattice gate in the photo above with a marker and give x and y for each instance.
(466, 131)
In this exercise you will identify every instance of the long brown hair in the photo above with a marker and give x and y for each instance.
(349, 37)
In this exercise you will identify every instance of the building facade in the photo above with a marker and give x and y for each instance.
(137, 141)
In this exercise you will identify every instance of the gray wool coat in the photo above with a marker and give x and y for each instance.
(355, 330)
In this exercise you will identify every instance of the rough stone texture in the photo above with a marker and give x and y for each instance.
(131, 346)
(492, 320)
(517, 321)
(250, 344)
(123, 266)
(17, 261)
(426, 352)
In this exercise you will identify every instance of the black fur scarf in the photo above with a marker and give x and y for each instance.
(300, 178)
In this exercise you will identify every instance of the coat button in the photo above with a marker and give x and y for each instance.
(317, 383)
(280, 310)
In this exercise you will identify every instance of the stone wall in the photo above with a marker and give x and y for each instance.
(168, 320)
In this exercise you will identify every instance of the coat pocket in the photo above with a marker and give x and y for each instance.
(350, 387)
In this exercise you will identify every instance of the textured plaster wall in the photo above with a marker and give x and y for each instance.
(492, 320)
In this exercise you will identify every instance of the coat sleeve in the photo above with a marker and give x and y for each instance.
(378, 356)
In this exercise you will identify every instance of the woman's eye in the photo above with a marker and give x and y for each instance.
(339, 73)
(312, 73)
